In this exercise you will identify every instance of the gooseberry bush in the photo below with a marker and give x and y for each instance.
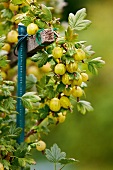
(64, 65)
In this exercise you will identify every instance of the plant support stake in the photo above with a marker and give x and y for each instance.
(21, 84)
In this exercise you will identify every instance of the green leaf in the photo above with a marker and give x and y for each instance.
(98, 62)
(6, 89)
(17, 2)
(14, 131)
(2, 38)
(70, 36)
(54, 154)
(25, 9)
(31, 96)
(50, 92)
(6, 164)
(30, 161)
(43, 111)
(36, 57)
(30, 81)
(22, 162)
(94, 64)
(92, 68)
(43, 60)
(40, 23)
(26, 20)
(60, 87)
(77, 21)
(67, 161)
(6, 26)
(7, 13)
(8, 82)
(45, 14)
(41, 57)
(84, 106)
(42, 83)
(83, 25)
(27, 103)
(88, 50)
(19, 16)
(4, 110)
(21, 150)
(10, 104)
(68, 33)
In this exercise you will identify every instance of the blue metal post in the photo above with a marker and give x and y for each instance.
(21, 85)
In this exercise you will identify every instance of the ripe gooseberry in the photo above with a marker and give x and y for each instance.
(32, 28)
(79, 55)
(12, 36)
(6, 47)
(46, 68)
(57, 52)
(61, 118)
(13, 7)
(33, 69)
(41, 145)
(65, 79)
(77, 82)
(77, 91)
(84, 77)
(72, 67)
(55, 104)
(60, 69)
(67, 92)
(65, 102)
(1, 167)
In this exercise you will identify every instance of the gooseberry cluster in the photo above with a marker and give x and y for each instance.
(70, 77)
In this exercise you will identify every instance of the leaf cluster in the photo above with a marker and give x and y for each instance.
(56, 156)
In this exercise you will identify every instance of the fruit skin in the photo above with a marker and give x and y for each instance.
(41, 145)
(84, 77)
(1, 167)
(79, 55)
(57, 52)
(12, 36)
(3, 74)
(6, 68)
(77, 91)
(72, 67)
(33, 70)
(28, 140)
(32, 29)
(77, 82)
(46, 68)
(13, 7)
(55, 104)
(65, 102)
(61, 118)
(6, 47)
(60, 69)
(65, 79)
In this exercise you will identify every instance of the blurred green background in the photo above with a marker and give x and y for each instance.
(89, 138)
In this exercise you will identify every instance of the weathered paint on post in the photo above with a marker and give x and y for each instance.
(21, 84)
